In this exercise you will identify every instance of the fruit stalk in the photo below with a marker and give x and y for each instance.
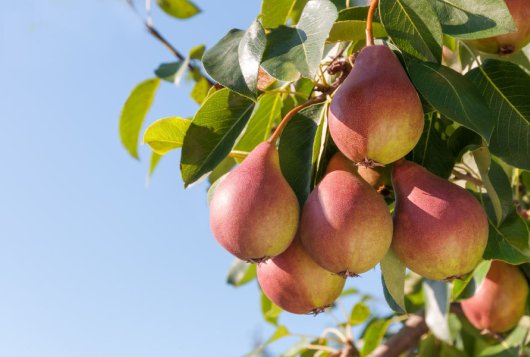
(369, 19)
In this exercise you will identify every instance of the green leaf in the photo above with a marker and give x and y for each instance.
(496, 183)
(353, 30)
(432, 150)
(134, 112)
(296, 149)
(155, 159)
(359, 314)
(268, 111)
(509, 241)
(437, 298)
(393, 273)
(373, 335)
(474, 19)
(269, 310)
(221, 62)
(459, 285)
(200, 90)
(453, 95)
(506, 88)
(197, 52)
(292, 52)
(166, 134)
(212, 133)
(250, 51)
(414, 27)
(241, 273)
(181, 9)
(222, 169)
(275, 12)
(172, 72)
(280, 332)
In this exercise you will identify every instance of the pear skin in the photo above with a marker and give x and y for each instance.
(297, 284)
(513, 41)
(500, 301)
(346, 226)
(376, 114)
(440, 229)
(254, 212)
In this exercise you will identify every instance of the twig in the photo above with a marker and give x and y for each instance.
(156, 34)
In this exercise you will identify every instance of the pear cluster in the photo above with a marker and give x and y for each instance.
(345, 228)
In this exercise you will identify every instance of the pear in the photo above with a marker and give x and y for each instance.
(254, 212)
(440, 229)
(513, 41)
(375, 176)
(376, 114)
(500, 301)
(297, 284)
(345, 226)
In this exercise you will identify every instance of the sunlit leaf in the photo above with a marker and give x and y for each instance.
(181, 9)
(212, 133)
(393, 271)
(134, 112)
(241, 273)
(166, 134)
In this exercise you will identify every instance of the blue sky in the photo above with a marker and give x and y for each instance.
(93, 262)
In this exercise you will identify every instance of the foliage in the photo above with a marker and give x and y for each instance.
(477, 134)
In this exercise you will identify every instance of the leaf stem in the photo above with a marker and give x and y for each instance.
(292, 113)
(369, 19)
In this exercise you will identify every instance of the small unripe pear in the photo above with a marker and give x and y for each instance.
(513, 41)
(500, 301)
(254, 212)
(440, 229)
(346, 226)
(376, 114)
(297, 284)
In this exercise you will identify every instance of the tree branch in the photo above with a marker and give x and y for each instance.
(156, 34)
(404, 339)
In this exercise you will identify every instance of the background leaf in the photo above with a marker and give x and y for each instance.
(506, 88)
(474, 19)
(212, 133)
(432, 150)
(509, 241)
(166, 134)
(393, 273)
(296, 149)
(413, 27)
(353, 30)
(496, 183)
(134, 112)
(153, 163)
(172, 72)
(437, 298)
(292, 52)
(453, 95)
(373, 334)
(269, 310)
(276, 12)
(241, 273)
(181, 9)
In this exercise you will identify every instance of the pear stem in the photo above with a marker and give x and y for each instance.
(292, 113)
(369, 19)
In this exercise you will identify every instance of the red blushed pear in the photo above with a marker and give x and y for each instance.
(513, 41)
(376, 114)
(500, 301)
(345, 226)
(297, 284)
(254, 212)
(440, 229)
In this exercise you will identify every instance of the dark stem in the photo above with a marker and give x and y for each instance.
(156, 34)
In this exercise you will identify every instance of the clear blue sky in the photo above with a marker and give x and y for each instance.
(92, 262)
